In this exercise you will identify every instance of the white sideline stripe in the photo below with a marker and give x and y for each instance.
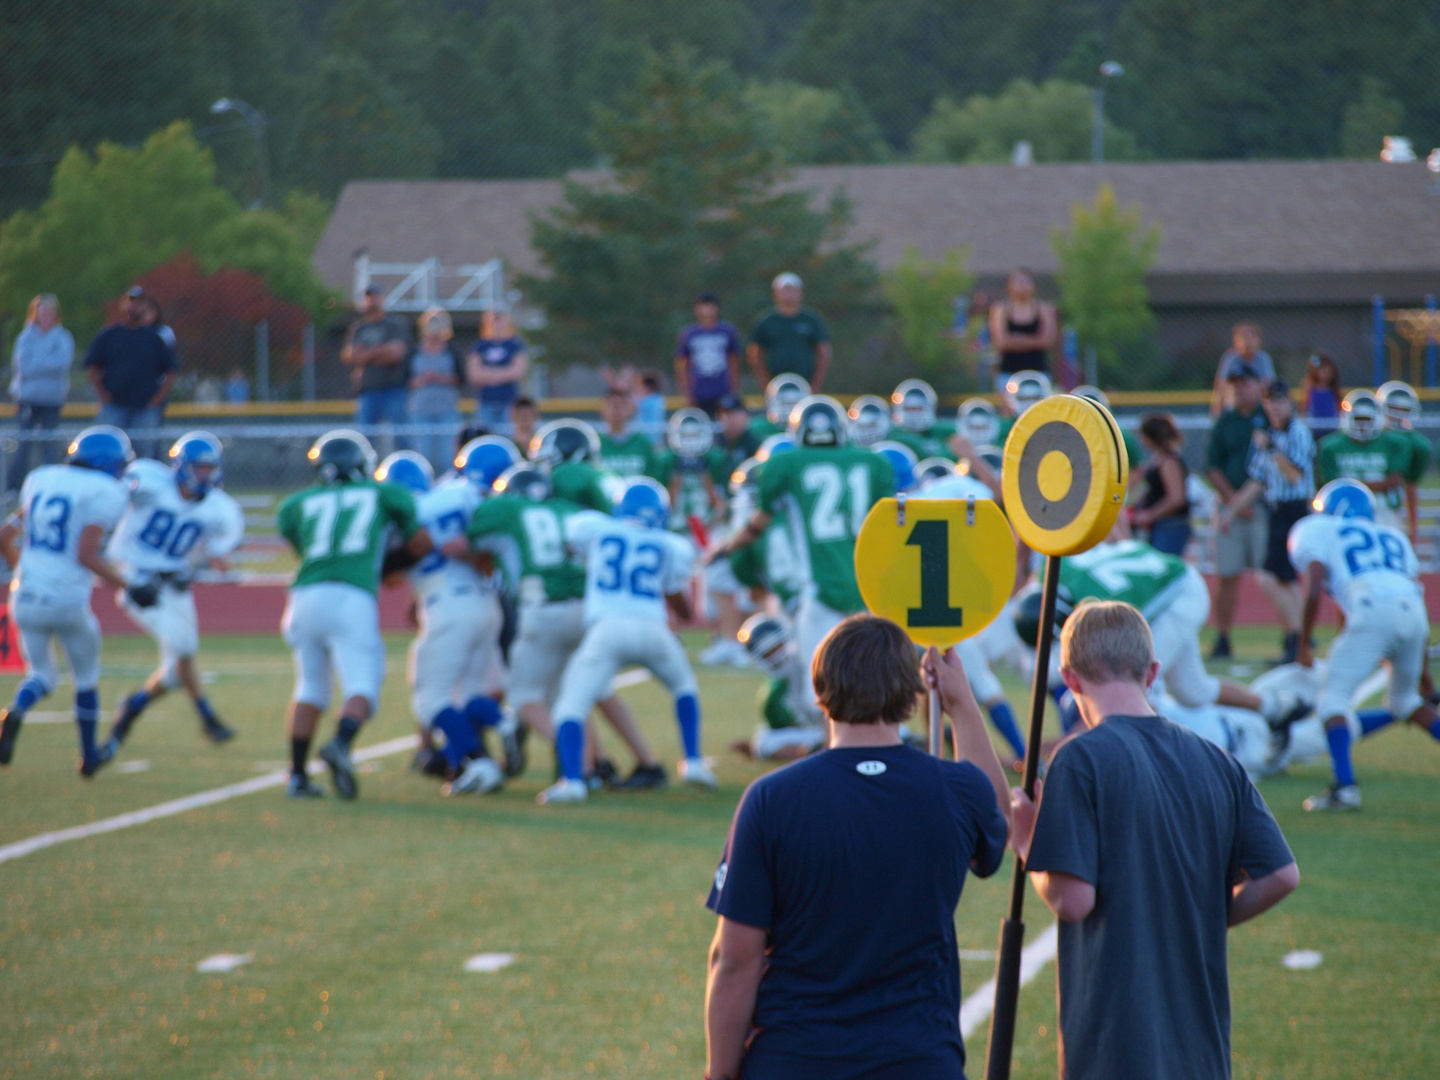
(976, 1008)
(44, 840)
(21, 848)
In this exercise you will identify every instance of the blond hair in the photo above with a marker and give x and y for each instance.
(436, 320)
(1107, 641)
(43, 298)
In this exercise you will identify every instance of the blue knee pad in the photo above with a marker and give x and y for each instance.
(461, 741)
(482, 711)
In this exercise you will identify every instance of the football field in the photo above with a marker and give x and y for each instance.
(356, 920)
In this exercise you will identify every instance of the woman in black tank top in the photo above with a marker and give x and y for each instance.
(1165, 506)
(1022, 328)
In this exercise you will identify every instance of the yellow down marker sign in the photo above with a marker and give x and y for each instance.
(941, 568)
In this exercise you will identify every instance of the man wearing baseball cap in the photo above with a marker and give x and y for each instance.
(790, 338)
(131, 367)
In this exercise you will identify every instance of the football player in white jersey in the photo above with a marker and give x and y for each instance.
(178, 516)
(456, 673)
(54, 544)
(1372, 574)
(634, 572)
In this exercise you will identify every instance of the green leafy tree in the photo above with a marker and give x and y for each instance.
(357, 125)
(1103, 262)
(923, 293)
(113, 216)
(813, 126)
(1054, 117)
(1368, 119)
(691, 202)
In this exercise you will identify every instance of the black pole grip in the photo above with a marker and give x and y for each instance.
(1012, 929)
(1007, 1000)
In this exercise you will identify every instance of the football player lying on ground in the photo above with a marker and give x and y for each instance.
(792, 724)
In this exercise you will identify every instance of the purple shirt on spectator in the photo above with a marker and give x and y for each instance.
(708, 349)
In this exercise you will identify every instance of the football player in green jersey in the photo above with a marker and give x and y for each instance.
(524, 530)
(1021, 390)
(340, 528)
(569, 451)
(824, 489)
(624, 451)
(781, 396)
(1174, 599)
(792, 724)
(914, 421)
(687, 469)
(1400, 407)
(1362, 450)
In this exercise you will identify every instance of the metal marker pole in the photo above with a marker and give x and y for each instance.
(1012, 927)
(935, 723)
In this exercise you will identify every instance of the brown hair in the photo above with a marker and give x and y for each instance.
(1107, 641)
(1160, 431)
(866, 671)
(1321, 363)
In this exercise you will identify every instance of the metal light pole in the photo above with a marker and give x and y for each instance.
(1108, 70)
(256, 119)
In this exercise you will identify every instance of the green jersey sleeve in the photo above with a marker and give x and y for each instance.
(775, 481)
(1420, 454)
(1327, 465)
(399, 506)
(1134, 452)
(774, 708)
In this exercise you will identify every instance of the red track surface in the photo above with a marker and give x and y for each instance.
(256, 609)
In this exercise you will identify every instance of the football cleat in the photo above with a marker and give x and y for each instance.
(342, 770)
(1339, 797)
(480, 777)
(513, 736)
(9, 732)
(644, 778)
(429, 762)
(696, 772)
(605, 775)
(89, 766)
(301, 788)
(216, 732)
(564, 791)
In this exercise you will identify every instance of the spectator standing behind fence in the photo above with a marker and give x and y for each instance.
(1164, 508)
(132, 369)
(496, 365)
(376, 349)
(835, 954)
(1322, 394)
(790, 338)
(1281, 469)
(1242, 544)
(707, 356)
(1245, 341)
(1023, 330)
(1149, 843)
(435, 376)
(40, 378)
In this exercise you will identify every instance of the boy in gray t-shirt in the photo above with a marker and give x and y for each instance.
(1149, 843)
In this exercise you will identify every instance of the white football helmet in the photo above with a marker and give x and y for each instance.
(914, 402)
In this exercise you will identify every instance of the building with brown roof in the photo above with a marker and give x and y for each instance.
(1300, 247)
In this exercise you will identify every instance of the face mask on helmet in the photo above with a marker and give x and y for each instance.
(198, 462)
(1025, 388)
(978, 422)
(1360, 415)
(782, 395)
(562, 441)
(1399, 405)
(768, 641)
(869, 420)
(914, 402)
(818, 421)
(342, 455)
(525, 481)
(690, 433)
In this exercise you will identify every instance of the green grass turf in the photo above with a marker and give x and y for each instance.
(360, 915)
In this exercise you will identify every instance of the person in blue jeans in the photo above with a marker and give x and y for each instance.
(132, 368)
(496, 366)
(376, 349)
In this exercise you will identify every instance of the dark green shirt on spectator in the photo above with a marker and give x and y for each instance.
(789, 342)
(1229, 449)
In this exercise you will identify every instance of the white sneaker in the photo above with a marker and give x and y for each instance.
(563, 791)
(480, 776)
(1335, 798)
(695, 771)
(717, 653)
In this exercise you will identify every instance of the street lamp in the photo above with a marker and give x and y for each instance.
(256, 119)
(1108, 70)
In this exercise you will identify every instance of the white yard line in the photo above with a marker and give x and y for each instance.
(976, 1008)
(21, 848)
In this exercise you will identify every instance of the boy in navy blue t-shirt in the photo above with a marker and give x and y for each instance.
(835, 956)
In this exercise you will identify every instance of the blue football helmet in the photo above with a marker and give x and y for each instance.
(1345, 498)
(645, 501)
(482, 460)
(197, 450)
(774, 444)
(408, 469)
(902, 460)
(102, 448)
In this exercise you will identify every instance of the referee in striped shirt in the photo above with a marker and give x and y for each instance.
(1282, 472)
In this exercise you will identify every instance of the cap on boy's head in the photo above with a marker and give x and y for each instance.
(708, 297)
(730, 403)
(1278, 389)
(1241, 370)
(372, 288)
(787, 278)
